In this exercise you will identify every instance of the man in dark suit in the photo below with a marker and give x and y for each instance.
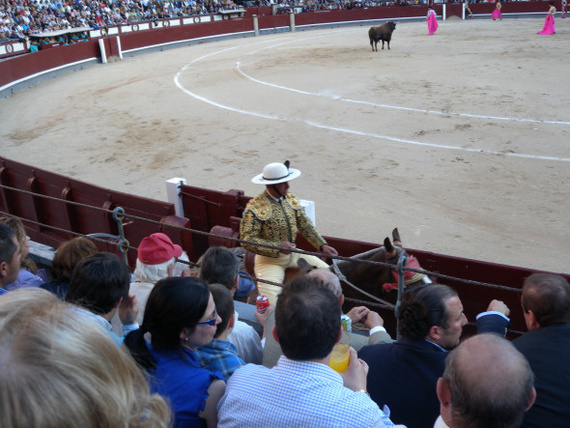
(546, 305)
(404, 374)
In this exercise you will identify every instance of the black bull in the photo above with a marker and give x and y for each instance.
(381, 32)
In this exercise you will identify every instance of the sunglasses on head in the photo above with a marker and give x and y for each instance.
(211, 321)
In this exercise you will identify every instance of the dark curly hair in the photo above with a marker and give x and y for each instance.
(422, 308)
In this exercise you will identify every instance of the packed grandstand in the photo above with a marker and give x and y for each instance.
(21, 18)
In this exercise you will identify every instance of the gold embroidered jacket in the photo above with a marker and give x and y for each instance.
(266, 221)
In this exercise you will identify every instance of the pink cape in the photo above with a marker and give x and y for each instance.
(432, 23)
(548, 26)
(497, 14)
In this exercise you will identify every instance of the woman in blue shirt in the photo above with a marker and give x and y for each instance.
(180, 315)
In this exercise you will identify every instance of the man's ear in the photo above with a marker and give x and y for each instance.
(118, 303)
(236, 285)
(444, 396)
(274, 333)
(232, 321)
(530, 320)
(435, 333)
(442, 391)
(3, 269)
(531, 399)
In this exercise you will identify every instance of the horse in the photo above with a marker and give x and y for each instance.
(375, 279)
(378, 279)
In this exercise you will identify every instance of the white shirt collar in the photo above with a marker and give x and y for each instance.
(106, 325)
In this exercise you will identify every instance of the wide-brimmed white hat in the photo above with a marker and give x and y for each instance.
(275, 173)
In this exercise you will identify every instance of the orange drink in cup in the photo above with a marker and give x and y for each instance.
(340, 357)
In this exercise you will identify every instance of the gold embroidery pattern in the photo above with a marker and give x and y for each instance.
(266, 221)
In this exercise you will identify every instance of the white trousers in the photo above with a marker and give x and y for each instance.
(273, 269)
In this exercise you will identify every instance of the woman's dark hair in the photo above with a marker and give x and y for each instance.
(174, 303)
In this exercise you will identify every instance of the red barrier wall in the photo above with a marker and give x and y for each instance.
(274, 21)
(162, 35)
(81, 214)
(21, 66)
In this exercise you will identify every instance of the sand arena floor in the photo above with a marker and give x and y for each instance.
(461, 139)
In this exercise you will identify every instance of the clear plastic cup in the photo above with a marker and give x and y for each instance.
(340, 357)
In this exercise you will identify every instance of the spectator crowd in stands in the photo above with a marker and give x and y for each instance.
(199, 365)
(21, 18)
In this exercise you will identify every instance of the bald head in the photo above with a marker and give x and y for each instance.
(486, 383)
(486, 358)
(328, 279)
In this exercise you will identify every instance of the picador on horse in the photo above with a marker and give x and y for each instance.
(270, 223)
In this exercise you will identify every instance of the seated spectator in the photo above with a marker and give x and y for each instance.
(546, 308)
(156, 256)
(221, 355)
(371, 319)
(68, 255)
(246, 285)
(302, 390)
(221, 266)
(10, 255)
(183, 266)
(60, 370)
(180, 317)
(27, 275)
(486, 383)
(100, 286)
(403, 374)
(325, 278)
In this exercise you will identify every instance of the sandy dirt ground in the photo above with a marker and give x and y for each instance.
(461, 139)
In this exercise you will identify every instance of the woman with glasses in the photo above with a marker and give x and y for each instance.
(180, 316)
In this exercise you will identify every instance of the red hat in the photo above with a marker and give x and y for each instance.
(157, 248)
